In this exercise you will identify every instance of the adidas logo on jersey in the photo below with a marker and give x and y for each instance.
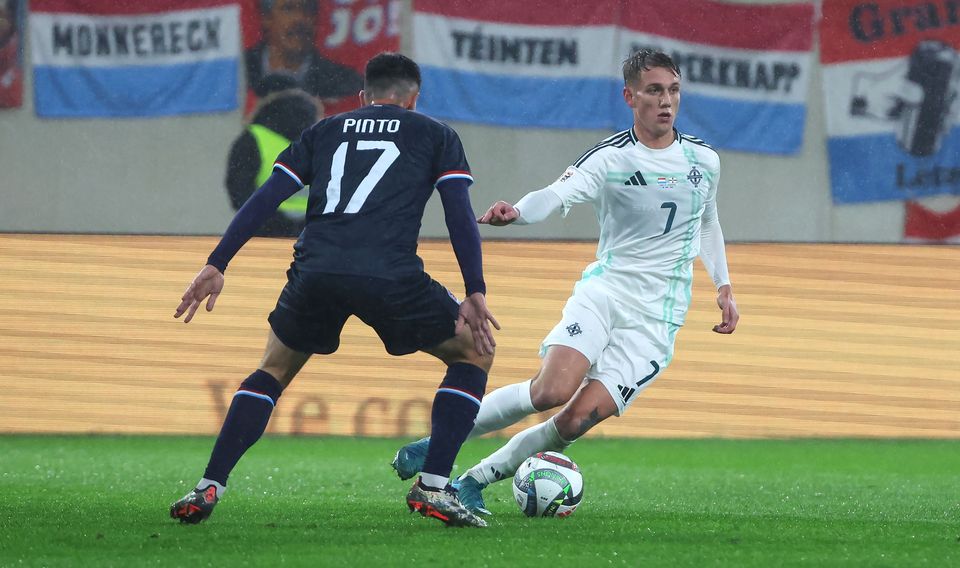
(636, 179)
(626, 393)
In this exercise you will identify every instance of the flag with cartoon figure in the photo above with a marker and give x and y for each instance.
(891, 80)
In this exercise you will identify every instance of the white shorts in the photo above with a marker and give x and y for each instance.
(627, 350)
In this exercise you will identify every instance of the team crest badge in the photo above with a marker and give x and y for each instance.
(574, 329)
(695, 177)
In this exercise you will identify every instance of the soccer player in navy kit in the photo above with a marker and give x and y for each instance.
(370, 172)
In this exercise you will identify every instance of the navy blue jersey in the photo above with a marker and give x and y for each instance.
(370, 172)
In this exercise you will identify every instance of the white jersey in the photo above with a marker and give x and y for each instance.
(649, 204)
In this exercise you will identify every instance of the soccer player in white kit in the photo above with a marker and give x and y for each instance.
(654, 191)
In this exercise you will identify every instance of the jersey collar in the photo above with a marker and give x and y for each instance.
(635, 140)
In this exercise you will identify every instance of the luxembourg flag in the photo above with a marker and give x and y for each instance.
(745, 68)
(891, 82)
(547, 64)
(104, 58)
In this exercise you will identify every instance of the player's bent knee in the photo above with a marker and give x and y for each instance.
(471, 357)
(460, 349)
(282, 362)
(547, 393)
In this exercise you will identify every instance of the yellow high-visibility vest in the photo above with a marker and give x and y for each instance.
(269, 145)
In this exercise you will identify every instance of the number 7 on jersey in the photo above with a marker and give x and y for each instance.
(673, 212)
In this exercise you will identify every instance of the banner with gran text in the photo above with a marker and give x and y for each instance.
(558, 65)
(891, 81)
(123, 59)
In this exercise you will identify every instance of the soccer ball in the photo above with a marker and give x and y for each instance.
(548, 484)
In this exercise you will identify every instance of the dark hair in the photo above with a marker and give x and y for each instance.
(390, 72)
(645, 60)
(267, 5)
(287, 112)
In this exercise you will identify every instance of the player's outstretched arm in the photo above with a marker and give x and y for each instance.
(728, 308)
(207, 285)
(532, 208)
(475, 314)
(209, 282)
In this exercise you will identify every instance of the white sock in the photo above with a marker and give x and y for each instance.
(434, 481)
(504, 462)
(204, 483)
(503, 407)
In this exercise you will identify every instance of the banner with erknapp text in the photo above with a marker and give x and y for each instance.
(558, 65)
(745, 68)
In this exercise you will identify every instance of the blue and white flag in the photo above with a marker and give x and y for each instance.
(745, 81)
(101, 58)
(745, 67)
(506, 63)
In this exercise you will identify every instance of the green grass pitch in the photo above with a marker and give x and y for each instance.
(103, 501)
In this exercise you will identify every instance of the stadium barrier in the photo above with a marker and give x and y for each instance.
(835, 340)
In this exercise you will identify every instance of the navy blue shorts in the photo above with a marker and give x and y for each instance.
(409, 314)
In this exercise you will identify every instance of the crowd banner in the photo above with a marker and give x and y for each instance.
(511, 64)
(325, 46)
(11, 53)
(891, 82)
(102, 58)
(745, 68)
(745, 82)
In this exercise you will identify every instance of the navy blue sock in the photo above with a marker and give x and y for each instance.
(455, 409)
(245, 423)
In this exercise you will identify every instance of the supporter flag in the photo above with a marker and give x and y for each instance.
(550, 64)
(745, 82)
(344, 32)
(150, 58)
(746, 68)
(11, 53)
(927, 224)
(891, 81)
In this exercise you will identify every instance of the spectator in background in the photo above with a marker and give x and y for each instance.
(278, 120)
(11, 75)
(288, 48)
